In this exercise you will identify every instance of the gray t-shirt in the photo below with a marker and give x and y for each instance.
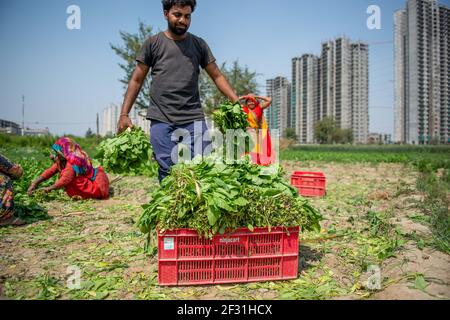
(175, 68)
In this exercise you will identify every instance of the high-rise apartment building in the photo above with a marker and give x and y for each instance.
(344, 85)
(305, 96)
(335, 85)
(360, 92)
(110, 118)
(400, 27)
(336, 81)
(422, 77)
(278, 115)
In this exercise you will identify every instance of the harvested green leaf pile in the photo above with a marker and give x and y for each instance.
(28, 208)
(212, 197)
(130, 153)
(30, 211)
(230, 116)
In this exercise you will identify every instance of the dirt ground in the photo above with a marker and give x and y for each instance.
(99, 240)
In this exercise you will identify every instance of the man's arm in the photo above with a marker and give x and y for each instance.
(134, 86)
(221, 82)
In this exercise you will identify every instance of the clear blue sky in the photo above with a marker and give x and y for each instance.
(69, 76)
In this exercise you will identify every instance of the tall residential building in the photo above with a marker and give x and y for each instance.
(422, 77)
(344, 85)
(400, 27)
(305, 96)
(335, 85)
(360, 92)
(278, 115)
(139, 118)
(111, 116)
(336, 77)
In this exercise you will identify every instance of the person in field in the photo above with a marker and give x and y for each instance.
(174, 58)
(8, 171)
(254, 106)
(76, 174)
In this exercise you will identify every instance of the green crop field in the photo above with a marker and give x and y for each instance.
(436, 156)
(386, 207)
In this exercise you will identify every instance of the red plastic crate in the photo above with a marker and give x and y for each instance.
(309, 184)
(238, 257)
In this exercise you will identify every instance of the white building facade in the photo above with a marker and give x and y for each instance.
(278, 114)
(422, 73)
(335, 85)
(305, 97)
(111, 115)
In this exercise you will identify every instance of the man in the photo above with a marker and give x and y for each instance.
(174, 58)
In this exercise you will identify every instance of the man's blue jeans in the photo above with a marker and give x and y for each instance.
(165, 139)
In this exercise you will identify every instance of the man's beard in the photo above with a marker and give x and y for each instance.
(175, 30)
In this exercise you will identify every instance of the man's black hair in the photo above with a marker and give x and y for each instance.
(168, 4)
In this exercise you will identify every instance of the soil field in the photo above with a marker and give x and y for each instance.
(376, 243)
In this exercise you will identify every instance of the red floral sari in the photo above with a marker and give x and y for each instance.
(78, 177)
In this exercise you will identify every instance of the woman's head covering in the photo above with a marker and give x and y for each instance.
(74, 155)
(249, 98)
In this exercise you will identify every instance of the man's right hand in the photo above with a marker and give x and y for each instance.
(124, 124)
(135, 85)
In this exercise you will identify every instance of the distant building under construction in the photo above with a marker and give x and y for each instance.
(9, 127)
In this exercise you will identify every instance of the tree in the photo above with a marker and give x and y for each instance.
(327, 131)
(435, 140)
(347, 135)
(132, 43)
(241, 79)
(289, 133)
(342, 135)
(89, 133)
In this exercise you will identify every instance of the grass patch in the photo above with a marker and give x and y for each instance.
(435, 156)
(436, 204)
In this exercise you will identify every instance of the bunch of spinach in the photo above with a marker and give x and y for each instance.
(27, 207)
(129, 153)
(230, 116)
(30, 211)
(212, 197)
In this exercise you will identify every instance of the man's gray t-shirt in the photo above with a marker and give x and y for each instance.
(175, 68)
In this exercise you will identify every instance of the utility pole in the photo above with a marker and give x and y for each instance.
(23, 114)
(98, 132)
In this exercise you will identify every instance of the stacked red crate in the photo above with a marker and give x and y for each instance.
(309, 184)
